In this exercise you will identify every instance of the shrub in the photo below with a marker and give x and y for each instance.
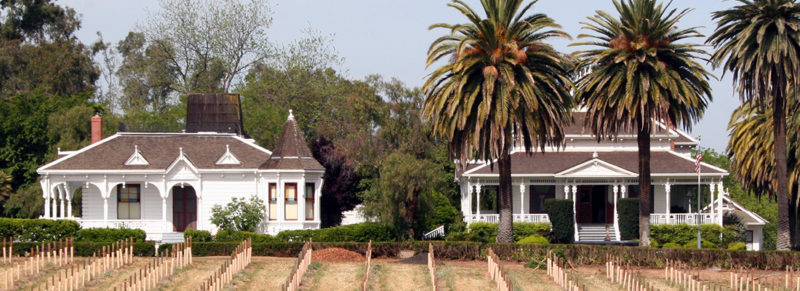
(86, 249)
(361, 232)
(672, 246)
(197, 235)
(705, 244)
(109, 234)
(37, 229)
(238, 236)
(628, 218)
(534, 239)
(561, 217)
(239, 214)
(683, 233)
(654, 243)
(737, 246)
(444, 213)
(486, 232)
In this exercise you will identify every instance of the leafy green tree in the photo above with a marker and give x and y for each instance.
(239, 214)
(402, 197)
(758, 42)
(641, 72)
(503, 82)
(146, 76)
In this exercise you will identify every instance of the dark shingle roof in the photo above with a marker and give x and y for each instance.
(160, 150)
(291, 151)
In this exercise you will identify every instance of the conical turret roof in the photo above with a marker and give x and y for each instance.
(291, 151)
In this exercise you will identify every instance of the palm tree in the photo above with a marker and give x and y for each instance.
(503, 86)
(752, 154)
(759, 42)
(640, 75)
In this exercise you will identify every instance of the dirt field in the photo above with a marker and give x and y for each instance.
(463, 275)
(190, 277)
(333, 276)
(263, 273)
(387, 275)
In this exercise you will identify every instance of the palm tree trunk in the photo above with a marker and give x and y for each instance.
(643, 140)
(779, 120)
(505, 229)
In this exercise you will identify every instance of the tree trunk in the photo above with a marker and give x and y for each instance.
(411, 214)
(505, 229)
(643, 140)
(779, 121)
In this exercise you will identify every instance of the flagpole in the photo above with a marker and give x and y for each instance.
(699, 156)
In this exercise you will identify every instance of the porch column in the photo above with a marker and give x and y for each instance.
(301, 200)
(318, 199)
(522, 198)
(105, 209)
(720, 197)
(615, 189)
(61, 196)
(281, 200)
(623, 189)
(54, 213)
(574, 209)
(68, 193)
(199, 192)
(711, 187)
(164, 214)
(478, 202)
(46, 195)
(667, 191)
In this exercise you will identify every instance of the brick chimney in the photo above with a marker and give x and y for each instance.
(97, 128)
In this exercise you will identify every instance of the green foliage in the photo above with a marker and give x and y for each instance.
(684, 233)
(561, 217)
(37, 229)
(672, 245)
(402, 198)
(238, 236)
(705, 244)
(486, 232)
(534, 239)
(444, 213)
(239, 214)
(628, 218)
(197, 235)
(361, 232)
(109, 234)
(737, 246)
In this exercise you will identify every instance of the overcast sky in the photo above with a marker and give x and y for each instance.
(391, 38)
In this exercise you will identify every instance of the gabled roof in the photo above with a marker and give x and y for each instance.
(291, 151)
(553, 163)
(161, 150)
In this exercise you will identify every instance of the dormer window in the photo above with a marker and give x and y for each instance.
(136, 159)
(228, 158)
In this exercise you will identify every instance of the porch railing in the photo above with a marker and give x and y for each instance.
(527, 217)
(684, 218)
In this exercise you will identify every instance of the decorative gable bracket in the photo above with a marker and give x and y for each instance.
(136, 159)
(228, 158)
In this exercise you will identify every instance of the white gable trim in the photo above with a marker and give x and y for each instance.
(761, 220)
(228, 158)
(136, 158)
(599, 162)
(43, 169)
(724, 172)
(182, 157)
(252, 144)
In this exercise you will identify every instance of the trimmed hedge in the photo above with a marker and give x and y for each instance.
(197, 235)
(86, 249)
(629, 218)
(361, 232)
(486, 232)
(109, 234)
(37, 229)
(562, 219)
(238, 236)
(682, 234)
(534, 239)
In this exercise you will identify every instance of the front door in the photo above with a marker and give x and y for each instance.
(184, 208)
(593, 205)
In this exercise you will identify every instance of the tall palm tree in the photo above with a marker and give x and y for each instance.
(759, 42)
(752, 154)
(642, 73)
(502, 86)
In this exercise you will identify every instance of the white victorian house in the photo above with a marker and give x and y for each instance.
(165, 183)
(594, 175)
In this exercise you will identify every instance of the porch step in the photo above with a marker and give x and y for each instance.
(595, 232)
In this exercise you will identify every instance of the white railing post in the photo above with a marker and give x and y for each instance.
(615, 189)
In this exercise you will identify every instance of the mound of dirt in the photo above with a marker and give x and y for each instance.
(336, 255)
(418, 259)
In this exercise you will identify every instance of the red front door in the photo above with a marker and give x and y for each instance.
(184, 208)
(593, 205)
(584, 206)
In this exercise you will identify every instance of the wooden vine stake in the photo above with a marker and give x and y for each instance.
(432, 266)
(238, 260)
(73, 276)
(300, 267)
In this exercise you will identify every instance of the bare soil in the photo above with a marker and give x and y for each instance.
(336, 255)
(263, 273)
(391, 275)
(190, 277)
(463, 275)
(333, 276)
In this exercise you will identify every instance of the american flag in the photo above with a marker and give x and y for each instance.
(697, 161)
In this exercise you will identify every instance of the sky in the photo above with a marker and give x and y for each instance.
(391, 38)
